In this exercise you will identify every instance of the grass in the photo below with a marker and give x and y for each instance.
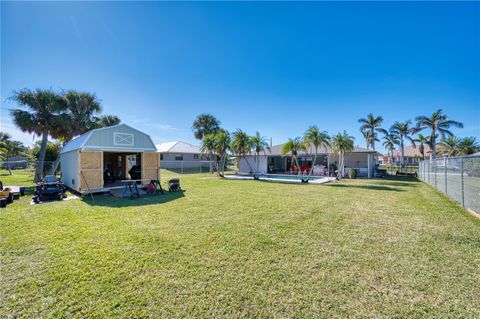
(224, 248)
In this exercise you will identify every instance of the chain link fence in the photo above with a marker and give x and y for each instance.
(456, 177)
(23, 167)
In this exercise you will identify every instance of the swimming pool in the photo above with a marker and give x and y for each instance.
(282, 178)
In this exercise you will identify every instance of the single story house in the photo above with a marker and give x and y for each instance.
(273, 162)
(178, 154)
(412, 155)
(100, 159)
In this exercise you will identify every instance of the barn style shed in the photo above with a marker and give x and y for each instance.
(100, 159)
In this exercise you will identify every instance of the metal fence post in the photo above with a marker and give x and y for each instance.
(435, 173)
(445, 170)
(463, 192)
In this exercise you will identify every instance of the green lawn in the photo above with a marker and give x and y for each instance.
(224, 248)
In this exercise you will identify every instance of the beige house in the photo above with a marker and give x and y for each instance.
(101, 159)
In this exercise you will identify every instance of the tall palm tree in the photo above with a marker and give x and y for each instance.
(404, 130)
(222, 145)
(208, 147)
(450, 146)
(241, 145)
(259, 144)
(41, 118)
(205, 124)
(422, 141)
(106, 120)
(469, 145)
(390, 139)
(371, 124)
(294, 147)
(438, 122)
(313, 136)
(80, 114)
(342, 143)
(370, 138)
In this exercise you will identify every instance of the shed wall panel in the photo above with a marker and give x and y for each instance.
(91, 166)
(69, 169)
(150, 165)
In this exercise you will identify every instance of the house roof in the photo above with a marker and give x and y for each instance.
(411, 151)
(178, 147)
(87, 141)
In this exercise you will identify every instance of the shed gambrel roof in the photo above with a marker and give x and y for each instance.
(178, 147)
(104, 139)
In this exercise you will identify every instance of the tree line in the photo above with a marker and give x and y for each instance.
(439, 137)
(218, 141)
(60, 115)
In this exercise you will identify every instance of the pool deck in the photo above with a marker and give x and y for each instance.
(320, 180)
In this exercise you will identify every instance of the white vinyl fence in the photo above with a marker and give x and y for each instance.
(456, 177)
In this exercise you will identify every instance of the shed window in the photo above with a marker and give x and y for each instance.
(179, 157)
(123, 139)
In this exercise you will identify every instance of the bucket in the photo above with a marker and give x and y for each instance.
(3, 202)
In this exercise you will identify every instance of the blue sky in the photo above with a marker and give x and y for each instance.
(270, 67)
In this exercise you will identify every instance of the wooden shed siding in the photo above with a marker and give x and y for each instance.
(91, 166)
(150, 165)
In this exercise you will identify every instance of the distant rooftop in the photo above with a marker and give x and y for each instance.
(178, 147)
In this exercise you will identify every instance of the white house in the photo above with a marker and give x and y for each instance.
(273, 162)
(178, 154)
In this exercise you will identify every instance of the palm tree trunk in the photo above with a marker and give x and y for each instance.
(402, 161)
(41, 158)
(341, 169)
(314, 162)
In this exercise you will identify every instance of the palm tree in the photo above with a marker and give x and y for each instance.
(80, 114)
(205, 124)
(222, 145)
(403, 130)
(342, 143)
(241, 145)
(208, 147)
(313, 136)
(106, 120)
(41, 118)
(294, 146)
(390, 139)
(370, 137)
(438, 122)
(371, 124)
(259, 144)
(450, 146)
(422, 141)
(469, 145)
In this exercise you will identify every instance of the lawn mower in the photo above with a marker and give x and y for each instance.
(50, 188)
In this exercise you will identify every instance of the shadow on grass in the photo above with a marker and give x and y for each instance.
(108, 201)
(369, 187)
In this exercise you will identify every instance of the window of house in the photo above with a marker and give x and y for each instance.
(195, 156)
(179, 157)
(161, 157)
